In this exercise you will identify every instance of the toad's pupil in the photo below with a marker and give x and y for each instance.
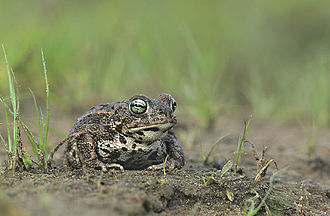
(173, 106)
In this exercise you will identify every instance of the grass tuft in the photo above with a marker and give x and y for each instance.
(163, 178)
(210, 155)
(241, 141)
(14, 148)
(45, 124)
(252, 210)
(208, 179)
(12, 137)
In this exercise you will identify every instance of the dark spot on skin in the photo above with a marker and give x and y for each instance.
(105, 150)
(140, 149)
(152, 129)
(98, 168)
(124, 149)
(129, 133)
(133, 152)
(122, 139)
(115, 155)
(153, 156)
(134, 146)
(119, 128)
(138, 141)
(74, 154)
(140, 133)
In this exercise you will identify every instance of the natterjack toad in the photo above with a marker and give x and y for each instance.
(132, 134)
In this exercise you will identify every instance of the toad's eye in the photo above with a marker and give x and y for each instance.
(173, 105)
(138, 106)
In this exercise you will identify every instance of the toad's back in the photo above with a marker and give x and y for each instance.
(94, 116)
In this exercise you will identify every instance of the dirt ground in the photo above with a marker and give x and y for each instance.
(62, 191)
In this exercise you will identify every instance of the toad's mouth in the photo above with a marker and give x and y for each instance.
(154, 128)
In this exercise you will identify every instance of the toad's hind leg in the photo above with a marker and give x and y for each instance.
(174, 151)
(77, 160)
(80, 149)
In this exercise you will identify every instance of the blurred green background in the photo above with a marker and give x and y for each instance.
(269, 57)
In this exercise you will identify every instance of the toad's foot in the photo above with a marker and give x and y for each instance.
(171, 164)
(105, 167)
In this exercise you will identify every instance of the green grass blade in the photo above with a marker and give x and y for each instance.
(26, 159)
(251, 209)
(46, 125)
(15, 84)
(241, 141)
(42, 121)
(13, 98)
(11, 83)
(32, 140)
(226, 168)
(40, 124)
(215, 145)
(239, 152)
(10, 80)
(15, 104)
(10, 146)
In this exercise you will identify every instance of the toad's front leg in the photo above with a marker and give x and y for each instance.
(174, 151)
